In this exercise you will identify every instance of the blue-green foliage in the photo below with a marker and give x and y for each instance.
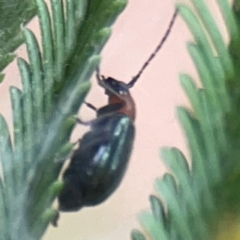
(196, 197)
(54, 84)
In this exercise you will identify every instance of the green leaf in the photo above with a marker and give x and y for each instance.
(54, 85)
(13, 14)
(200, 197)
(136, 235)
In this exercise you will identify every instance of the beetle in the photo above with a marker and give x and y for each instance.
(98, 165)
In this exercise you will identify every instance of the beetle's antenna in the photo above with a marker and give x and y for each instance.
(133, 81)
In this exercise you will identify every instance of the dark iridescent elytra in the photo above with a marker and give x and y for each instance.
(98, 165)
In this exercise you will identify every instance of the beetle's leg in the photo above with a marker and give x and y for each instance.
(84, 123)
(77, 142)
(91, 106)
(55, 220)
(60, 160)
(99, 76)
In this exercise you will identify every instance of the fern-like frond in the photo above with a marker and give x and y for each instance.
(55, 82)
(198, 201)
(13, 14)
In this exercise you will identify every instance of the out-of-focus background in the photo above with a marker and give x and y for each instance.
(136, 33)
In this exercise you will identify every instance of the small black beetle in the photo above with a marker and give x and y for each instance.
(98, 165)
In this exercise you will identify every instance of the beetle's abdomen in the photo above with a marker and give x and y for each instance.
(97, 167)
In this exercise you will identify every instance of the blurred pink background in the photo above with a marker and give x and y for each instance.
(136, 33)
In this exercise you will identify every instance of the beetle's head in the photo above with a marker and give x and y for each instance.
(114, 87)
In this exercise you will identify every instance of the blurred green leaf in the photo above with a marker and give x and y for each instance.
(13, 15)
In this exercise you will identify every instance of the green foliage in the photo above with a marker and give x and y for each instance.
(13, 14)
(198, 201)
(55, 82)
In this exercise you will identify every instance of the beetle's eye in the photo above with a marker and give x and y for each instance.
(122, 92)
